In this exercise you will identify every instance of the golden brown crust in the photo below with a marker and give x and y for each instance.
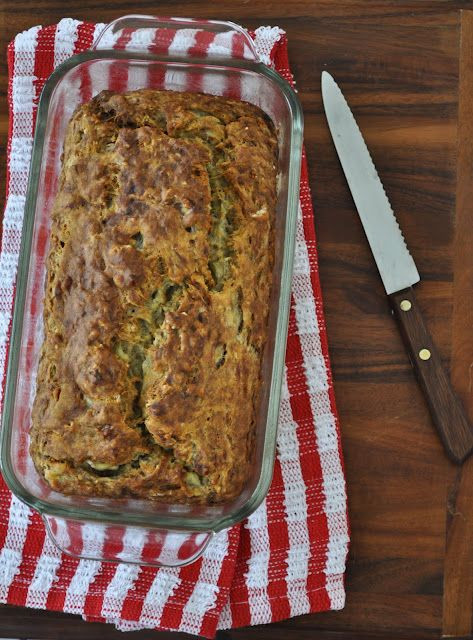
(157, 298)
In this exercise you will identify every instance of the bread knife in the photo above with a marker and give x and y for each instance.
(398, 271)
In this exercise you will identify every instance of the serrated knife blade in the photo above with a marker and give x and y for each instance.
(395, 263)
(397, 269)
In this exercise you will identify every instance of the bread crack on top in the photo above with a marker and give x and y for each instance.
(157, 297)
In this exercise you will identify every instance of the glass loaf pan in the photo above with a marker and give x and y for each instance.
(121, 529)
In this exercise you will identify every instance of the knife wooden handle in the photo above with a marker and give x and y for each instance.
(445, 407)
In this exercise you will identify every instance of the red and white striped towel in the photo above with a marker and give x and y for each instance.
(289, 557)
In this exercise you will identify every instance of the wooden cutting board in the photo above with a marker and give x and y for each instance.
(407, 71)
(409, 79)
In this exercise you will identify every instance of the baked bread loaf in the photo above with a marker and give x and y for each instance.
(157, 295)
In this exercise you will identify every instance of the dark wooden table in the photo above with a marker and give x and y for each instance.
(407, 69)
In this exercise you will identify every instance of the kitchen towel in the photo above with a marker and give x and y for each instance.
(289, 557)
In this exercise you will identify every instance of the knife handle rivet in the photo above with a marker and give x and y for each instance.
(405, 305)
(424, 354)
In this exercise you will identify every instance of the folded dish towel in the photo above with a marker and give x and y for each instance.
(289, 557)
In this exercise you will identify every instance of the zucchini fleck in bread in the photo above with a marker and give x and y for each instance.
(157, 297)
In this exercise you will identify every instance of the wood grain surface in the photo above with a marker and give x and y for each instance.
(406, 69)
(458, 567)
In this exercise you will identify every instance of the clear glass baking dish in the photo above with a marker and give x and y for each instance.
(134, 530)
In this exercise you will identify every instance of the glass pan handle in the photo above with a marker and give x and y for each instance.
(128, 544)
(180, 37)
